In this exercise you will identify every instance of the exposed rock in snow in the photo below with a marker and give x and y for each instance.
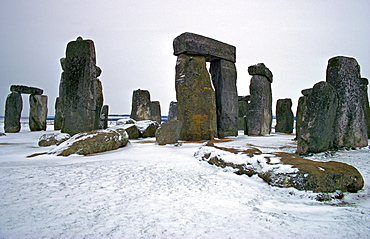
(53, 139)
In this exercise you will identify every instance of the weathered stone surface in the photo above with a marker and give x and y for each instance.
(26, 89)
(306, 92)
(224, 81)
(297, 172)
(243, 102)
(172, 112)
(147, 128)
(103, 124)
(92, 142)
(58, 117)
(351, 127)
(299, 114)
(132, 131)
(52, 139)
(190, 43)
(364, 88)
(196, 101)
(99, 102)
(168, 132)
(260, 69)
(38, 112)
(316, 130)
(13, 109)
(126, 120)
(155, 111)
(284, 116)
(140, 109)
(81, 93)
(260, 106)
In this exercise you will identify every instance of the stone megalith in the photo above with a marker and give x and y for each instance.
(196, 98)
(155, 111)
(168, 132)
(223, 71)
(38, 112)
(140, 109)
(103, 124)
(224, 80)
(80, 90)
(26, 89)
(364, 83)
(260, 106)
(300, 109)
(13, 109)
(343, 73)
(284, 116)
(317, 122)
(243, 102)
(58, 116)
(172, 112)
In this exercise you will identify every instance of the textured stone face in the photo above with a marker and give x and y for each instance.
(169, 132)
(284, 116)
(316, 130)
(260, 106)
(172, 112)
(26, 89)
(299, 114)
(13, 109)
(140, 109)
(351, 129)
(155, 111)
(190, 43)
(38, 112)
(242, 111)
(260, 69)
(195, 98)
(224, 80)
(58, 117)
(364, 83)
(81, 90)
(103, 124)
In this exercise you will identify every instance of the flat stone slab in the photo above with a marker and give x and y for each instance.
(26, 89)
(190, 43)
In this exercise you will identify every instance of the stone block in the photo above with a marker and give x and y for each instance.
(38, 112)
(13, 109)
(26, 89)
(260, 69)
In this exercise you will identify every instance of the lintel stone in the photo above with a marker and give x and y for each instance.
(194, 44)
(26, 89)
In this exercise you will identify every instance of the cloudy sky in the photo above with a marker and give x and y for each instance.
(133, 41)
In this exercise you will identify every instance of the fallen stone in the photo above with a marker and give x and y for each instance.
(190, 43)
(26, 89)
(13, 109)
(260, 69)
(147, 128)
(38, 112)
(52, 139)
(168, 132)
(92, 142)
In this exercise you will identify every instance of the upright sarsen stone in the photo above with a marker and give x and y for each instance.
(195, 98)
(103, 124)
(140, 109)
(155, 111)
(364, 83)
(343, 73)
(224, 81)
(81, 90)
(38, 112)
(284, 116)
(172, 112)
(13, 109)
(58, 116)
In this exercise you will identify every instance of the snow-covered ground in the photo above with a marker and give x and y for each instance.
(150, 191)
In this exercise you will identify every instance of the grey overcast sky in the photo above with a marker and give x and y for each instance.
(133, 40)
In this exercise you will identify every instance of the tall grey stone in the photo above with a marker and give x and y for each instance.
(13, 109)
(196, 101)
(140, 109)
(38, 112)
(99, 100)
(103, 124)
(364, 88)
(58, 116)
(155, 111)
(224, 81)
(284, 116)
(81, 91)
(343, 73)
(172, 112)
(316, 127)
(260, 106)
(243, 102)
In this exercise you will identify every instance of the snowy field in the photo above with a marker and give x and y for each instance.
(150, 191)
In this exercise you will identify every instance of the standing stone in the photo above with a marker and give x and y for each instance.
(99, 100)
(80, 88)
(316, 127)
(224, 80)
(155, 111)
(196, 98)
(103, 124)
(351, 128)
(58, 117)
(284, 116)
(260, 106)
(364, 83)
(172, 112)
(243, 102)
(300, 109)
(38, 112)
(13, 109)
(168, 132)
(140, 109)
